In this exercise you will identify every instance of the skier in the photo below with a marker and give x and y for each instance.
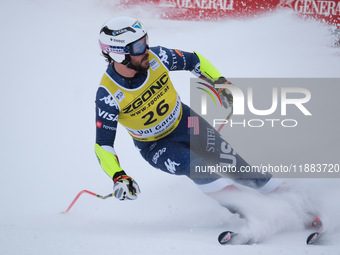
(136, 91)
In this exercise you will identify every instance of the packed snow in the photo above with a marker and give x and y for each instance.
(51, 66)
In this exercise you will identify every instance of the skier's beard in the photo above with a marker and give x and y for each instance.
(143, 65)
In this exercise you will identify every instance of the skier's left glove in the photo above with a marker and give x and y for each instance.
(224, 93)
(125, 187)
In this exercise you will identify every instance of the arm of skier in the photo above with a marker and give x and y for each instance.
(207, 71)
(200, 66)
(106, 125)
(195, 62)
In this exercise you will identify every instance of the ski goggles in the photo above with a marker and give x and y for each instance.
(135, 48)
(139, 47)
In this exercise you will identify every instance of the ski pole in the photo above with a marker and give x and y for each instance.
(229, 115)
(226, 120)
(88, 192)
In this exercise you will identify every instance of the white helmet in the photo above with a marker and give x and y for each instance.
(122, 36)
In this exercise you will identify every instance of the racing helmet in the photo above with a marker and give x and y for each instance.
(123, 36)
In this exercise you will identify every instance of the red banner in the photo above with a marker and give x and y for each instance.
(327, 11)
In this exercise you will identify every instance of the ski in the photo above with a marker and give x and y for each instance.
(232, 238)
(313, 238)
(225, 237)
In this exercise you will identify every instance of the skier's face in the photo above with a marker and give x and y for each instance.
(141, 62)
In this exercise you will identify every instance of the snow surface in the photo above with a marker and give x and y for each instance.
(50, 69)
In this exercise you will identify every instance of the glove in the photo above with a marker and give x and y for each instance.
(125, 187)
(226, 97)
(224, 93)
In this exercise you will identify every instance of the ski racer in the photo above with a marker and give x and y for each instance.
(137, 92)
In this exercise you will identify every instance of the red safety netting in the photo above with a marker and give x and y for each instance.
(323, 10)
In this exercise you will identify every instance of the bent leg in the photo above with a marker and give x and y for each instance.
(219, 154)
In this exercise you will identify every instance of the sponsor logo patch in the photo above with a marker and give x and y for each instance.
(99, 124)
(154, 64)
(119, 95)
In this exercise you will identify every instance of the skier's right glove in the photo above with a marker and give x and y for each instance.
(124, 186)
(224, 93)
(226, 97)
